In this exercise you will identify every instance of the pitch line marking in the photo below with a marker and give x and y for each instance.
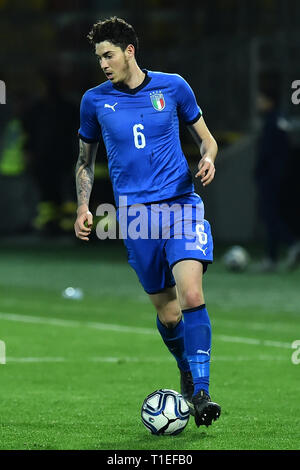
(36, 359)
(130, 329)
(75, 324)
(126, 359)
(255, 326)
(254, 341)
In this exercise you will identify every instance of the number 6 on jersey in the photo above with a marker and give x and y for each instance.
(139, 138)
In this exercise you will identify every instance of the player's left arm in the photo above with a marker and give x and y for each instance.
(208, 150)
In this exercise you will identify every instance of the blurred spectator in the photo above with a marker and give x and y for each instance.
(17, 190)
(51, 125)
(273, 156)
(13, 139)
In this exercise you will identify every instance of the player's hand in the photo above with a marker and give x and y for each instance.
(83, 224)
(206, 169)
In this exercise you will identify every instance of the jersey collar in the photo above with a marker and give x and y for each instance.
(133, 91)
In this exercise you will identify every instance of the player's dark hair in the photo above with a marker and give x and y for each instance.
(116, 31)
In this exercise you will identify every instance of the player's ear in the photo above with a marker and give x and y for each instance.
(130, 50)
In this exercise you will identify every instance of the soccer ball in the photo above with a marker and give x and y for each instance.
(236, 259)
(165, 412)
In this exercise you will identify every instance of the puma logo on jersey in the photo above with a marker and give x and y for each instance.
(202, 249)
(109, 106)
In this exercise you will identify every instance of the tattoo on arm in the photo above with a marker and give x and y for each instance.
(85, 171)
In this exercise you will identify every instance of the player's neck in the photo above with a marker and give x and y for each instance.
(135, 77)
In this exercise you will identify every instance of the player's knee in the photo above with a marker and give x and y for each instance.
(171, 323)
(169, 318)
(191, 298)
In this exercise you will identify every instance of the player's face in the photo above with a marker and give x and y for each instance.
(113, 61)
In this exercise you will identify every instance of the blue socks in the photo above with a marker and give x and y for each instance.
(190, 344)
(174, 340)
(197, 336)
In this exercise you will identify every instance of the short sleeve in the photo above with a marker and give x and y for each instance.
(89, 130)
(188, 109)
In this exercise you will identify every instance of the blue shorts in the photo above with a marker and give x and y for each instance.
(159, 235)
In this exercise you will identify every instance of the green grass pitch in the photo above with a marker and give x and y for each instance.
(77, 371)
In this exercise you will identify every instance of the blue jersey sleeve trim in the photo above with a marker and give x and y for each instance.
(193, 121)
(88, 141)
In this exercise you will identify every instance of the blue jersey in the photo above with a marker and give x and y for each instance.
(140, 129)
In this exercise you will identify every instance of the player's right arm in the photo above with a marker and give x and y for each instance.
(89, 135)
(85, 168)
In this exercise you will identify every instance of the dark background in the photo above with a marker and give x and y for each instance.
(222, 48)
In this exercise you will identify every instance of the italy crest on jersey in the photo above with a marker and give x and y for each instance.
(158, 100)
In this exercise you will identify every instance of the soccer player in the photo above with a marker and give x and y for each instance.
(136, 112)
